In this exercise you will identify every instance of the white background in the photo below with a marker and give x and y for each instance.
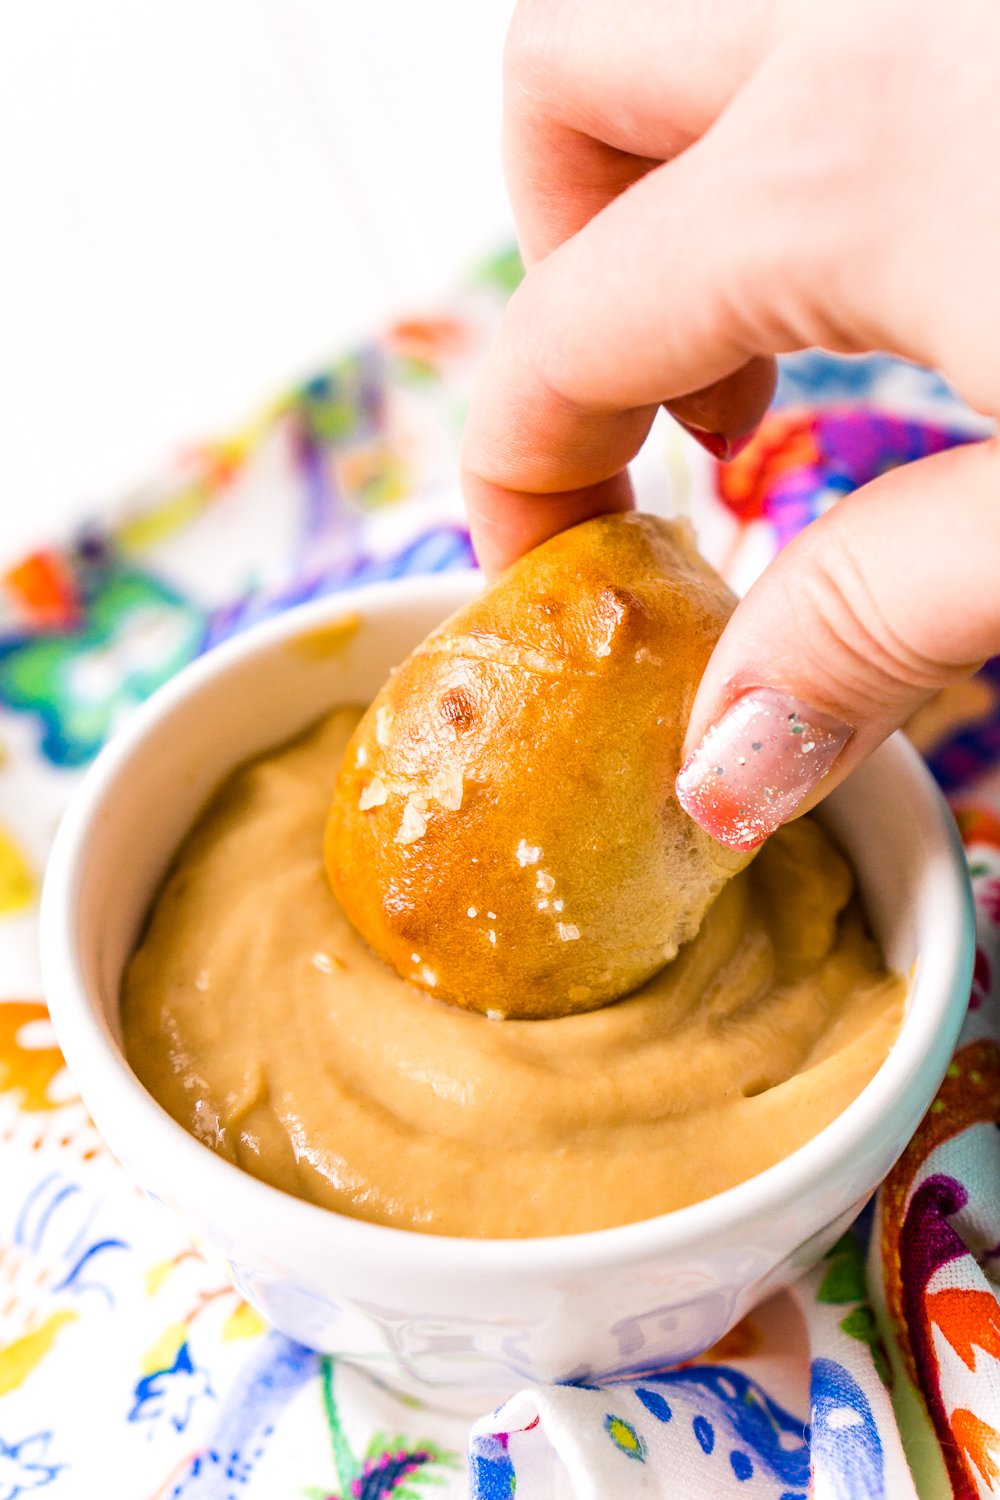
(201, 199)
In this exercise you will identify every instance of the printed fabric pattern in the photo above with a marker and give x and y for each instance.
(130, 1368)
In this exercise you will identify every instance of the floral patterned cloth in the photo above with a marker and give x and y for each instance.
(129, 1367)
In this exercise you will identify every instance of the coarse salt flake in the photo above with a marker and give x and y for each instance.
(447, 788)
(413, 824)
(568, 932)
(374, 794)
(527, 854)
(383, 724)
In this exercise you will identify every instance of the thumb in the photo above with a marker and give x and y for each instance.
(869, 611)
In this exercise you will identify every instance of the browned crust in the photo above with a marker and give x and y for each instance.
(547, 716)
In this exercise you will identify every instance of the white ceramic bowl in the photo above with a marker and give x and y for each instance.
(483, 1316)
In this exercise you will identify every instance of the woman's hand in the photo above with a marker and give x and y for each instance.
(700, 185)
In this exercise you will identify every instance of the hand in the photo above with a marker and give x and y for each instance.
(701, 186)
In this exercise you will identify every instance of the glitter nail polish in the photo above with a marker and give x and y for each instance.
(756, 766)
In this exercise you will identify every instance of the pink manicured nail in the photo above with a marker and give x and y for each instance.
(757, 765)
(716, 443)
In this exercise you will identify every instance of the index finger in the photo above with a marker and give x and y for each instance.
(652, 299)
(597, 94)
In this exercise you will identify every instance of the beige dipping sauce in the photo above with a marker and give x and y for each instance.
(257, 1017)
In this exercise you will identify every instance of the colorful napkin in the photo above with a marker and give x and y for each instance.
(129, 1367)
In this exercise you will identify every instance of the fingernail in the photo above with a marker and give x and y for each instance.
(717, 444)
(757, 765)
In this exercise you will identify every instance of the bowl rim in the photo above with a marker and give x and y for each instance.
(936, 1007)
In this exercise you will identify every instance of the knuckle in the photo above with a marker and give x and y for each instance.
(554, 351)
(532, 54)
(856, 649)
(808, 262)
